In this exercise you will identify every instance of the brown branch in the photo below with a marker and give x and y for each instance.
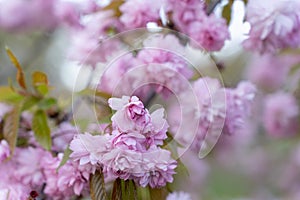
(210, 7)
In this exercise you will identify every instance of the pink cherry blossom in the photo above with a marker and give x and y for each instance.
(62, 136)
(10, 187)
(179, 196)
(137, 13)
(274, 25)
(210, 33)
(4, 150)
(24, 15)
(29, 166)
(268, 72)
(134, 126)
(69, 180)
(91, 44)
(239, 104)
(158, 168)
(281, 114)
(131, 113)
(186, 12)
(88, 149)
(154, 168)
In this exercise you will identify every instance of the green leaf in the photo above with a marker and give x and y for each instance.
(9, 95)
(159, 193)
(41, 129)
(144, 193)
(129, 191)
(65, 158)
(42, 89)
(90, 92)
(11, 127)
(29, 102)
(47, 103)
(20, 74)
(117, 190)
(40, 82)
(97, 186)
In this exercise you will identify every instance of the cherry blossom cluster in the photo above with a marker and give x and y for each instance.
(133, 150)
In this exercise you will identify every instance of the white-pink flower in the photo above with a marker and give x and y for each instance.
(131, 114)
(88, 149)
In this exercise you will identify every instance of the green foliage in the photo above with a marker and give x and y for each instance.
(7, 94)
(20, 74)
(11, 127)
(41, 129)
(97, 186)
(124, 190)
(26, 98)
(65, 158)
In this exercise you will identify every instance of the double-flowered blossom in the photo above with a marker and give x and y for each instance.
(274, 25)
(88, 44)
(132, 150)
(134, 120)
(238, 106)
(281, 114)
(173, 69)
(208, 31)
(219, 110)
(137, 13)
(29, 165)
(160, 66)
(68, 180)
(88, 149)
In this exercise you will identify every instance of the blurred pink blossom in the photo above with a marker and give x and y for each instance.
(69, 180)
(137, 13)
(274, 25)
(179, 196)
(239, 103)
(4, 150)
(29, 166)
(210, 33)
(281, 114)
